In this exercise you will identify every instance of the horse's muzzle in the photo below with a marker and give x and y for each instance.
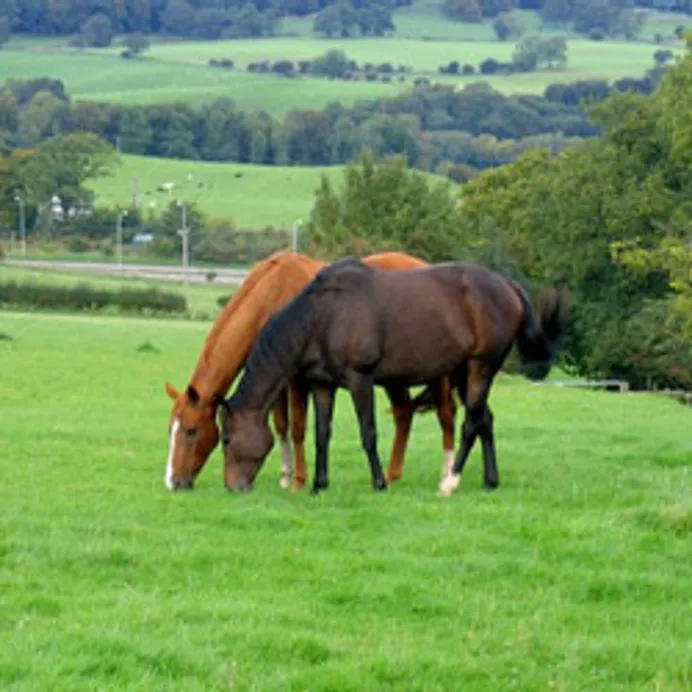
(187, 484)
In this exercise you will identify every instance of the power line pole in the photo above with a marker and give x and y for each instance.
(22, 223)
(184, 233)
(119, 239)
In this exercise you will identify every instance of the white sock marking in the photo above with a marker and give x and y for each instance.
(448, 462)
(286, 464)
(168, 478)
(449, 484)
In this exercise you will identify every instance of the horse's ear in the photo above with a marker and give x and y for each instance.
(192, 394)
(171, 391)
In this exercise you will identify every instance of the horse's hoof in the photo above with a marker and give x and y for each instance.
(285, 482)
(380, 485)
(393, 477)
(491, 485)
(449, 484)
(298, 486)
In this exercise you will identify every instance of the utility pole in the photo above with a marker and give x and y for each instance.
(22, 222)
(294, 239)
(184, 233)
(119, 239)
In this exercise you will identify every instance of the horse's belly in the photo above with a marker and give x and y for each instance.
(418, 366)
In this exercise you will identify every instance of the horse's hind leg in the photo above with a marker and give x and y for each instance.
(402, 411)
(280, 413)
(362, 390)
(478, 421)
(298, 394)
(446, 413)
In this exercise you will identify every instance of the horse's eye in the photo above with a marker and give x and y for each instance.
(190, 433)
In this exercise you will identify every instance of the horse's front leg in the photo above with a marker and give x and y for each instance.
(298, 394)
(280, 414)
(362, 388)
(323, 398)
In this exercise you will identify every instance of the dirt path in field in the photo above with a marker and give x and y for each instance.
(135, 271)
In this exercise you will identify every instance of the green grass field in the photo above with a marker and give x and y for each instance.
(254, 196)
(575, 575)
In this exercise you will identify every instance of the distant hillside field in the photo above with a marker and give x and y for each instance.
(179, 71)
(254, 196)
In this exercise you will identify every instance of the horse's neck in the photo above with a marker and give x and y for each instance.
(231, 339)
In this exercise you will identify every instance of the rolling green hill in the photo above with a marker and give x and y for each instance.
(254, 196)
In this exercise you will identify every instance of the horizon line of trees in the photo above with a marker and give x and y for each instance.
(437, 128)
(97, 22)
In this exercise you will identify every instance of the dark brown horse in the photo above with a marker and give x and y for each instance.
(354, 327)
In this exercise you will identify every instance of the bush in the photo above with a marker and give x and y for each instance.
(489, 66)
(596, 34)
(78, 244)
(84, 297)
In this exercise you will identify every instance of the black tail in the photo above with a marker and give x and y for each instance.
(542, 329)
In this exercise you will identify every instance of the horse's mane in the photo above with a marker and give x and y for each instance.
(259, 272)
(278, 347)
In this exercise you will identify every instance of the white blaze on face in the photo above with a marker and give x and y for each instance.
(168, 478)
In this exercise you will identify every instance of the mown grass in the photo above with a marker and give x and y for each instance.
(252, 196)
(575, 575)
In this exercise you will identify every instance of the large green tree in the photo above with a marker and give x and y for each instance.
(558, 219)
(382, 206)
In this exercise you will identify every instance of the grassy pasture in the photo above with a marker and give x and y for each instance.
(254, 196)
(575, 575)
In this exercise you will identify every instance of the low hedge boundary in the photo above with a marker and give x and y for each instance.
(83, 297)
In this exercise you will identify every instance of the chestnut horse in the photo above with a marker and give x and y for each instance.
(193, 432)
(355, 327)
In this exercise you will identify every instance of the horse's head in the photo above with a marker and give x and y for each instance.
(247, 440)
(193, 435)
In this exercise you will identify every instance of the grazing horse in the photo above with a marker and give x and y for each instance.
(193, 432)
(354, 327)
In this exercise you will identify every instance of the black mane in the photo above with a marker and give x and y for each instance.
(274, 356)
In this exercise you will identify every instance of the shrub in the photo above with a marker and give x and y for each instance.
(596, 34)
(489, 66)
(84, 297)
(78, 244)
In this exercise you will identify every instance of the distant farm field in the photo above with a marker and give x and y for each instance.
(254, 196)
(178, 70)
(574, 575)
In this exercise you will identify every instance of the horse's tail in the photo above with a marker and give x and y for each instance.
(541, 329)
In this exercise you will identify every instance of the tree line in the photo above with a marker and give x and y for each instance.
(436, 127)
(610, 218)
(95, 22)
